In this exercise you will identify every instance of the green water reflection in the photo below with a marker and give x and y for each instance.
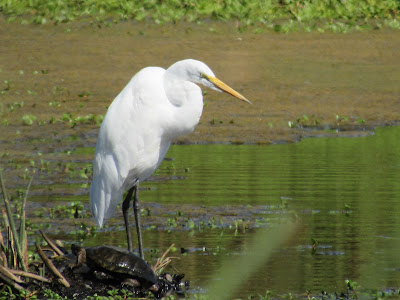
(345, 193)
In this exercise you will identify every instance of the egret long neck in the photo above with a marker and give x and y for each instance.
(186, 102)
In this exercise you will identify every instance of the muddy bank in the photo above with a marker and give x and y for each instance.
(299, 80)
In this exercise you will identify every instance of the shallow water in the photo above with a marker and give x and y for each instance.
(342, 192)
(211, 200)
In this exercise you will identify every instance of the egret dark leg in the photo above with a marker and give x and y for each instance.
(125, 212)
(136, 211)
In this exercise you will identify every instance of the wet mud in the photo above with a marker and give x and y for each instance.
(295, 81)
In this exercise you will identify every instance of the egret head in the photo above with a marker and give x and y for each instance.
(198, 72)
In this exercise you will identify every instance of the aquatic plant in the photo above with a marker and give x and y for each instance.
(88, 119)
(15, 105)
(59, 90)
(28, 119)
(71, 210)
(4, 90)
(341, 120)
(304, 121)
(85, 94)
(54, 103)
(171, 222)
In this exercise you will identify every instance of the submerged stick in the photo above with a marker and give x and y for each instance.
(12, 225)
(30, 275)
(51, 267)
(51, 243)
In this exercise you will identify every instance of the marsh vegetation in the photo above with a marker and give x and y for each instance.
(285, 16)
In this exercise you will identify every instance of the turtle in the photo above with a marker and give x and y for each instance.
(117, 262)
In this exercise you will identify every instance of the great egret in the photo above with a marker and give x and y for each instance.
(154, 108)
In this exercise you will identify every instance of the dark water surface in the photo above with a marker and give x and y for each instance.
(342, 192)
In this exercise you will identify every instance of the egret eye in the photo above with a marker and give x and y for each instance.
(203, 76)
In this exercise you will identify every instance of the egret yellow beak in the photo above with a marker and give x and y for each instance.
(227, 89)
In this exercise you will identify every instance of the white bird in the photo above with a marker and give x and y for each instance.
(154, 108)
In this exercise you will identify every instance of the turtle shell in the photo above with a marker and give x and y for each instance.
(120, 262)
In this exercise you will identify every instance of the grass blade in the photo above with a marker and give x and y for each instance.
(3, 251)
(22, 229)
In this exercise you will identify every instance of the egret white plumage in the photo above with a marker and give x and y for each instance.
(154, 108)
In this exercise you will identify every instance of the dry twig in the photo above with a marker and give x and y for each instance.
(30, 275)
(51, 267)
(6, 272)
(163, 261)
(11, 283)
(51, 244)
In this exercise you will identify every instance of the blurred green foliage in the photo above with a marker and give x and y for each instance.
(245, 11)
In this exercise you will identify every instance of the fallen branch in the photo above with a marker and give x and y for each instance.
(30, 275)
(6, 272)
(11, 283)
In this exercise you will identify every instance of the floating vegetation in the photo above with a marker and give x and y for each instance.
(304, 121)
(85, 94)
(54, 103)
(88, 119)
(67, 118)
(340, 120)
(71, 210)
(29, 119)
(15, 105)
